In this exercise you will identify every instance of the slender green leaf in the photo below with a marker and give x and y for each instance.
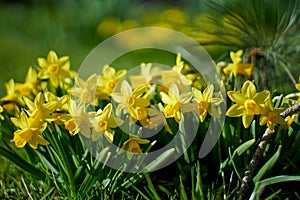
(268, 166)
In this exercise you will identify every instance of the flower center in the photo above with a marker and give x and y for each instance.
(171, 109)
(102, 125)
(110, 86)
(134, 147)
(53, 69)
(131, 101)
(142, 113)
(202, 107)
(251, 107)
(272, 117)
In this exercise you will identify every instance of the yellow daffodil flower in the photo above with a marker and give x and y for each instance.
(31, 85)
(39, 109)
(85, 90)
(128, 100)
(77, 120)
(103, 122)
(10, 91)
(176, 103)
(248, 103)
(148, 73)
(270, 116)
(205, 102)
(132, 146)
(55, 69)
(108, 81)
(175, 75)
(237, 67)
(62, 102)
(31, 128)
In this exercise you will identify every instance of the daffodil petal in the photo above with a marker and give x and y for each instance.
(142, 102)
(165, 98)
(262, 96)
(236, 97)
(249, 89)
(117, 97)
(126, 88)
(247, 120)
(235, 110)
(208, 92)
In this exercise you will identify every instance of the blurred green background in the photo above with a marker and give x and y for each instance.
(30, 28)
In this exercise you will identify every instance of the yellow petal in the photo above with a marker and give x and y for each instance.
(262, 97)
(165, 98)
(247, 120)
(120, 74)
(106, 111)
(109, 136)
(52, 57)
(230, 68)
(185, 97)
(173, 91)
(117, 97)
(140, 140)
(249, 89)
(126, 88)
(115, 122)
(96, 135)
(19, 141)
(245, 69)
(263, 120)
(298, 86)
(108, 72)
(235, 110)
(197, 94)
(42, 62)
(142, 102)
(236, 97)
(36, 140)
(208, 92)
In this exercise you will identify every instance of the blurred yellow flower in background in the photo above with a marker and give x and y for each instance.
(237, 67)
(248, 103)
(31, 84)
(11, 93)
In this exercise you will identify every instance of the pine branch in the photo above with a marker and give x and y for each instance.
(247, 181)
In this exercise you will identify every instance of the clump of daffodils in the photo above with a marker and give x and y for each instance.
(99, 106)
(107, 104)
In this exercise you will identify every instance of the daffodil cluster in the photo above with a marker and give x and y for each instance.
(54, 96)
